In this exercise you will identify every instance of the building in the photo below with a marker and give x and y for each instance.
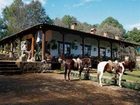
(58, 40)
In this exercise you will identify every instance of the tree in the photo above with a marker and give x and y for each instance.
(58, 22)
(19, 16)
(112, 27)
(12, 16)
(84, 27)
(2, 28)
(68, 20)
(35, 14)
(133, 35)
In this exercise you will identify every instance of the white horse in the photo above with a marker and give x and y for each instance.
(109, 66)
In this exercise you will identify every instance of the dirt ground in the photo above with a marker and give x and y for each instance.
(51, 89)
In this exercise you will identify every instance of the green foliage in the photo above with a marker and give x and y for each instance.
(84, 27)
(68, 20)
(58, 22)
(19, 16)
(2, 28)
(53, 44)
(133, 35)
(112, 27)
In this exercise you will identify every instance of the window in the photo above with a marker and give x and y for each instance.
(102, 52)
(114, 53)
(67, 50)
(87, 50)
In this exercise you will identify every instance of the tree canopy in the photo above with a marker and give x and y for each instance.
(3, 30)
(112, 27)
(19, 16)
(68, 20)
(133, 35)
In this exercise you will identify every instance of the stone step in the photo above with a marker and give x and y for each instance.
(9, 67)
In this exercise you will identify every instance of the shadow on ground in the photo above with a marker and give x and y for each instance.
(51, 89)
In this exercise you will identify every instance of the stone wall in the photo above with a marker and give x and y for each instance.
(37, 67)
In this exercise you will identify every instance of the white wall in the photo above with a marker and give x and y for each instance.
(94, 45)
(88, 41)
(58, 37)
(71, 38)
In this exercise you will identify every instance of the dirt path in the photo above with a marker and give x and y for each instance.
(51, 89)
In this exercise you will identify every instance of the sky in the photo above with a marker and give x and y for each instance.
(127, 12)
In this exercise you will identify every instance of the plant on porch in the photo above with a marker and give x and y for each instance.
(74, 45)
(53, 44)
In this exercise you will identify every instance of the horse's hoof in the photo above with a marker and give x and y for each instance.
(101, 85)
(120, 86)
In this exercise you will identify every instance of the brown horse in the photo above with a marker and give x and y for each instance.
(84, 65)
(68, 64)
(130, 65)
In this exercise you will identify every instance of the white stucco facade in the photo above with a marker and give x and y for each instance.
(92, 43)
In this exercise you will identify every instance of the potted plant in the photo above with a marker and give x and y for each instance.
(53, 44)
(74, 45)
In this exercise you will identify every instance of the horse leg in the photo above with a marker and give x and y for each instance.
(80, 71)
(69, 71)
(86, 74)
(120, 79)
(115, 79)
(100, 75)
(65, 73)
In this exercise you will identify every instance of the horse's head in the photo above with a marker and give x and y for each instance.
(86, 63)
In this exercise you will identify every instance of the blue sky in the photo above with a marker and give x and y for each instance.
(93, 11)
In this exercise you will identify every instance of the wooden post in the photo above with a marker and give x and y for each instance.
(83, 46)
(11, 50)
(63, 40)
(111, 50)
(32, 46)
(43, 45)
(11, 47)
(19, 47)
(98, 48)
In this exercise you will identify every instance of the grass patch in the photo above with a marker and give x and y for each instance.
(131, 76)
